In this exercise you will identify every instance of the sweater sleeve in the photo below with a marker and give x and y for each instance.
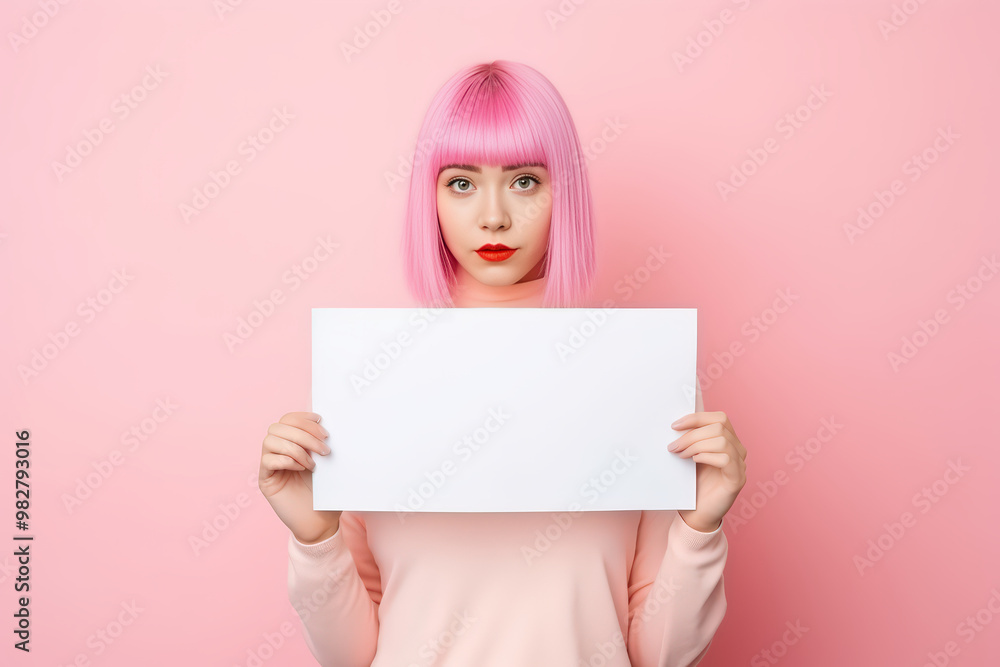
(676, 594)
(335, 588)
(677, 598)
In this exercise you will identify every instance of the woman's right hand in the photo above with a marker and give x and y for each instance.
(286, 467)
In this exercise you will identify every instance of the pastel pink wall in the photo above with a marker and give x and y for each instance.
(676, 130)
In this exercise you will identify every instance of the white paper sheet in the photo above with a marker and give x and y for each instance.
(503, 409)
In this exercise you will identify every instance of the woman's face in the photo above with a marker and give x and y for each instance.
(510, 206)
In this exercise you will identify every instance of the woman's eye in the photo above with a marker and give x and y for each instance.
(463, 181)
(526, 181)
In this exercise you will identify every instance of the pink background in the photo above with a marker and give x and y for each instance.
(826, 357)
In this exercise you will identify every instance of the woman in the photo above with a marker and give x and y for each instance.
(499, 214)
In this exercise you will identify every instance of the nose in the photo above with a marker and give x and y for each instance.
(494, 215)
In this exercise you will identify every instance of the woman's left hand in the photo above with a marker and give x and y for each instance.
(721, 470)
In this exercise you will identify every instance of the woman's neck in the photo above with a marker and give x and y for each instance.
(469, 292)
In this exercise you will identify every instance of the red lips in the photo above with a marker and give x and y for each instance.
(495, 252)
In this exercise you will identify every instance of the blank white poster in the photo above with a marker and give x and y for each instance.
(503, 409)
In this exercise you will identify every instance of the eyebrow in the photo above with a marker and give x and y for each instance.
(469, 167)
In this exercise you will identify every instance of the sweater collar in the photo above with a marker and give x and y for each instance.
(469, 292)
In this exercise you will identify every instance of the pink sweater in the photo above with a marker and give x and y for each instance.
(638, 588)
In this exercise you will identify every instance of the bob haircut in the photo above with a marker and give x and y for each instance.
(500, 113)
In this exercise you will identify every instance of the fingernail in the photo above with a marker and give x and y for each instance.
(677, 423)
(326, 434)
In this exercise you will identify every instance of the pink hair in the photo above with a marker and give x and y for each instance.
(500, 113)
